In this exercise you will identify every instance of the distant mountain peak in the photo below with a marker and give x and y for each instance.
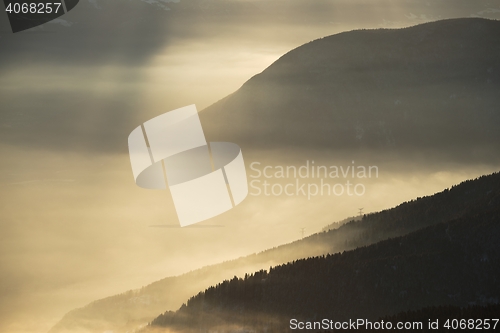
(431, 87)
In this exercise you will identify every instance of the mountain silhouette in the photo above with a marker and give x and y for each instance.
(431, 87)
(450, 263)
(129, 310)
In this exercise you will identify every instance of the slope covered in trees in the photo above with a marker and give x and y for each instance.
(134, 308)
(456, 262)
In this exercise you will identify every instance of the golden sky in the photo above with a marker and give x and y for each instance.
(73, 225)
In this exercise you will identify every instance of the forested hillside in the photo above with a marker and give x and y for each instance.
(131, 309)
(338, 224)
(449, 263)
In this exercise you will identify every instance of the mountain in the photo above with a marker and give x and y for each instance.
(456, 263)
(132, 309)
(381, 88)
(433, 87)
(338, 224)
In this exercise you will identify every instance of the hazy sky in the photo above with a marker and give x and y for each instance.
(73, 225)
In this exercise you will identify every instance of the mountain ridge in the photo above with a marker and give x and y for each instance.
(114, 312)
(449, 263)
(430, 87)
(264, 119)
